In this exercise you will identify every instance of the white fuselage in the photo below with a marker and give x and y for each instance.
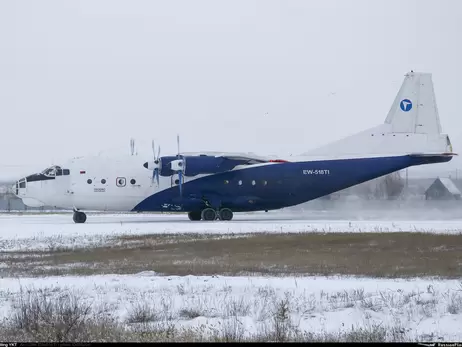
(97, 183)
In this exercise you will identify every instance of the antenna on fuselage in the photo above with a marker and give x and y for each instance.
(132, 146)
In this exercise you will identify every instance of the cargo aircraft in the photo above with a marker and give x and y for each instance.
(213, 186)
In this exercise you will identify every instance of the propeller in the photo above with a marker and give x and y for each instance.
(179, 166)
(157, 163)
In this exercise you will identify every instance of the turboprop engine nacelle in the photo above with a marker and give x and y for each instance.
(192, 165)
(178, 165)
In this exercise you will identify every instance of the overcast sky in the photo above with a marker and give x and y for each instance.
(281, 77)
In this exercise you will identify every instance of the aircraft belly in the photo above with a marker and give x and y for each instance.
(276, 186)
(105, 202)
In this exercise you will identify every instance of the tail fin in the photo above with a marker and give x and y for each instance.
(412, 126)
(414, 109)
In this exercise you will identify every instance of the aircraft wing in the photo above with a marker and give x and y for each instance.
(249, 157)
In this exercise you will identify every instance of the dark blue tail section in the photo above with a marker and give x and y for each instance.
(274, 186)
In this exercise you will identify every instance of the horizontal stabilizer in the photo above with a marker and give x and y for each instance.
(420, 155)
(411, 126)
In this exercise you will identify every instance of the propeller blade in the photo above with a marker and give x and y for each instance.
(156, 169)
(180, 172)
(155, 174)
(154, 155)
(178, 144)
(180, 179)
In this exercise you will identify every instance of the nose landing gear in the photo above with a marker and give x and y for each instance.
(79, 217)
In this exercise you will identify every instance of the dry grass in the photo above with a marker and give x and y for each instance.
(40, 316)
(400, 254)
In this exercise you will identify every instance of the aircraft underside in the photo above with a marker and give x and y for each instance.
(273, 187)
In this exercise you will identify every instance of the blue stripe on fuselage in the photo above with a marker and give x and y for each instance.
(278, 185)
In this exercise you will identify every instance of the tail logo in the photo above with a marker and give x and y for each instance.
(405, 105)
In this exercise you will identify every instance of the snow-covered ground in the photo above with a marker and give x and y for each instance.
(36, 232)
(422, 309)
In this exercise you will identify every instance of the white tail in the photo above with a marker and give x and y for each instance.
(414, 109)
(412, 126)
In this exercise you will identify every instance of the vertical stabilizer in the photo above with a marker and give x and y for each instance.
(414, 109)
(411, 126)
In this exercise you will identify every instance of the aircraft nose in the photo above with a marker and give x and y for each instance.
(22, 190)
(19, 188)
(15, 188)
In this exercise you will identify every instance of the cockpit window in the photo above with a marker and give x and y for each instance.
(51, 171)
(55, 171)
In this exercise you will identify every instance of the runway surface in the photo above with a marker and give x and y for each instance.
(42, 231)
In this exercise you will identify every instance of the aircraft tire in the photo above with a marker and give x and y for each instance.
(226, 214)
(195, 215)
(79, 217)
(209, 214)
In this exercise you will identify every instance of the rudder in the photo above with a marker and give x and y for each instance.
(414, 109)
(412, 126)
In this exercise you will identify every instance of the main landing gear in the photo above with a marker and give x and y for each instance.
(79, 217)
(210, 214)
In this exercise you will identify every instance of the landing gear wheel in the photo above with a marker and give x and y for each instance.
(226, 214)
(195, 215)
(79, 217)
(209, 214)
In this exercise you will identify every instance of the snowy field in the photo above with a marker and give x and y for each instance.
(239, 307)
(417, 309)
(42, 232)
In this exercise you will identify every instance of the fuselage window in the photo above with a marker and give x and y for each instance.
(265, 183)
(103, 181)
(89, 181)
(59, 172)
(253, 183)
(226, 181)
(66, 172)
(176, 182)
(121, 181)
(132, 181)
(240, 182)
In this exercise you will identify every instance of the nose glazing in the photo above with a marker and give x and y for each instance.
(20, 187)
(15, 188)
